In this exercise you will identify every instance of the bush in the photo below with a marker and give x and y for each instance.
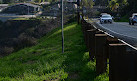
(25, 41)
(6, 50)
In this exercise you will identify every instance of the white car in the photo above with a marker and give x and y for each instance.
(106, 19)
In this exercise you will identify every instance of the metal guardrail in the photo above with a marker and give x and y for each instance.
(103, 46)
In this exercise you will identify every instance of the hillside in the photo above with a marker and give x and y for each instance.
(17, 34)
(45, 62)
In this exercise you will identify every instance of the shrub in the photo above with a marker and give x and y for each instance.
(6, 50)
(25, 41)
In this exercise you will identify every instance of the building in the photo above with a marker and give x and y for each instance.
(22, 9)
(3, 6)
(44, 3)
(71, 0)
(67, 6)
(21, 0)
(55, 9)
(30, 0)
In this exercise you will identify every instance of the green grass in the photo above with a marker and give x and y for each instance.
(45, 61)
(23, 18)
(20, 18)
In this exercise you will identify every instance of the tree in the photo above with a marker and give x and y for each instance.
(6, 1)
(121, 1)
(97, 2)
(101, 2)
(132, 4)
(113, 5)
(88, 3)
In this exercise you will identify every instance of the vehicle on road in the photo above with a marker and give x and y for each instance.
(133, 19)
(106, 19)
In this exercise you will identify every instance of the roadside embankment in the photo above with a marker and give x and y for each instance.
(17, 34)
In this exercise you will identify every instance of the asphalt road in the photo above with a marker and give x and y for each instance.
(122, 30)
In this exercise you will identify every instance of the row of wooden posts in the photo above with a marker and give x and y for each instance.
(109, 50)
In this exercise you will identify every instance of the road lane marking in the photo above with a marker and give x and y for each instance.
(115, 32)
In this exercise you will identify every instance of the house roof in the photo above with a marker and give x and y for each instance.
(3, 4)
(66, 5)
(29, 4)
(44, 3)
(71, 0)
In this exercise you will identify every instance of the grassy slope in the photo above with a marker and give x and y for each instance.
(46, 62)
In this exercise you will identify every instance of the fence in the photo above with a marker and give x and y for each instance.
(102, 46)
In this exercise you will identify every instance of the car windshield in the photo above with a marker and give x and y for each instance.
(106, 16)
(135, 16)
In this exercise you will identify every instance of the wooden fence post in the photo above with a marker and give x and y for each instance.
(101, 60)
(111, 40)
(88, 27)
(84, 24)
(91, 42)
(117, 70)
(132, 64)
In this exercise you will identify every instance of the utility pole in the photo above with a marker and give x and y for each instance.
(82, 6)
(62, 27)
(78, 11)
